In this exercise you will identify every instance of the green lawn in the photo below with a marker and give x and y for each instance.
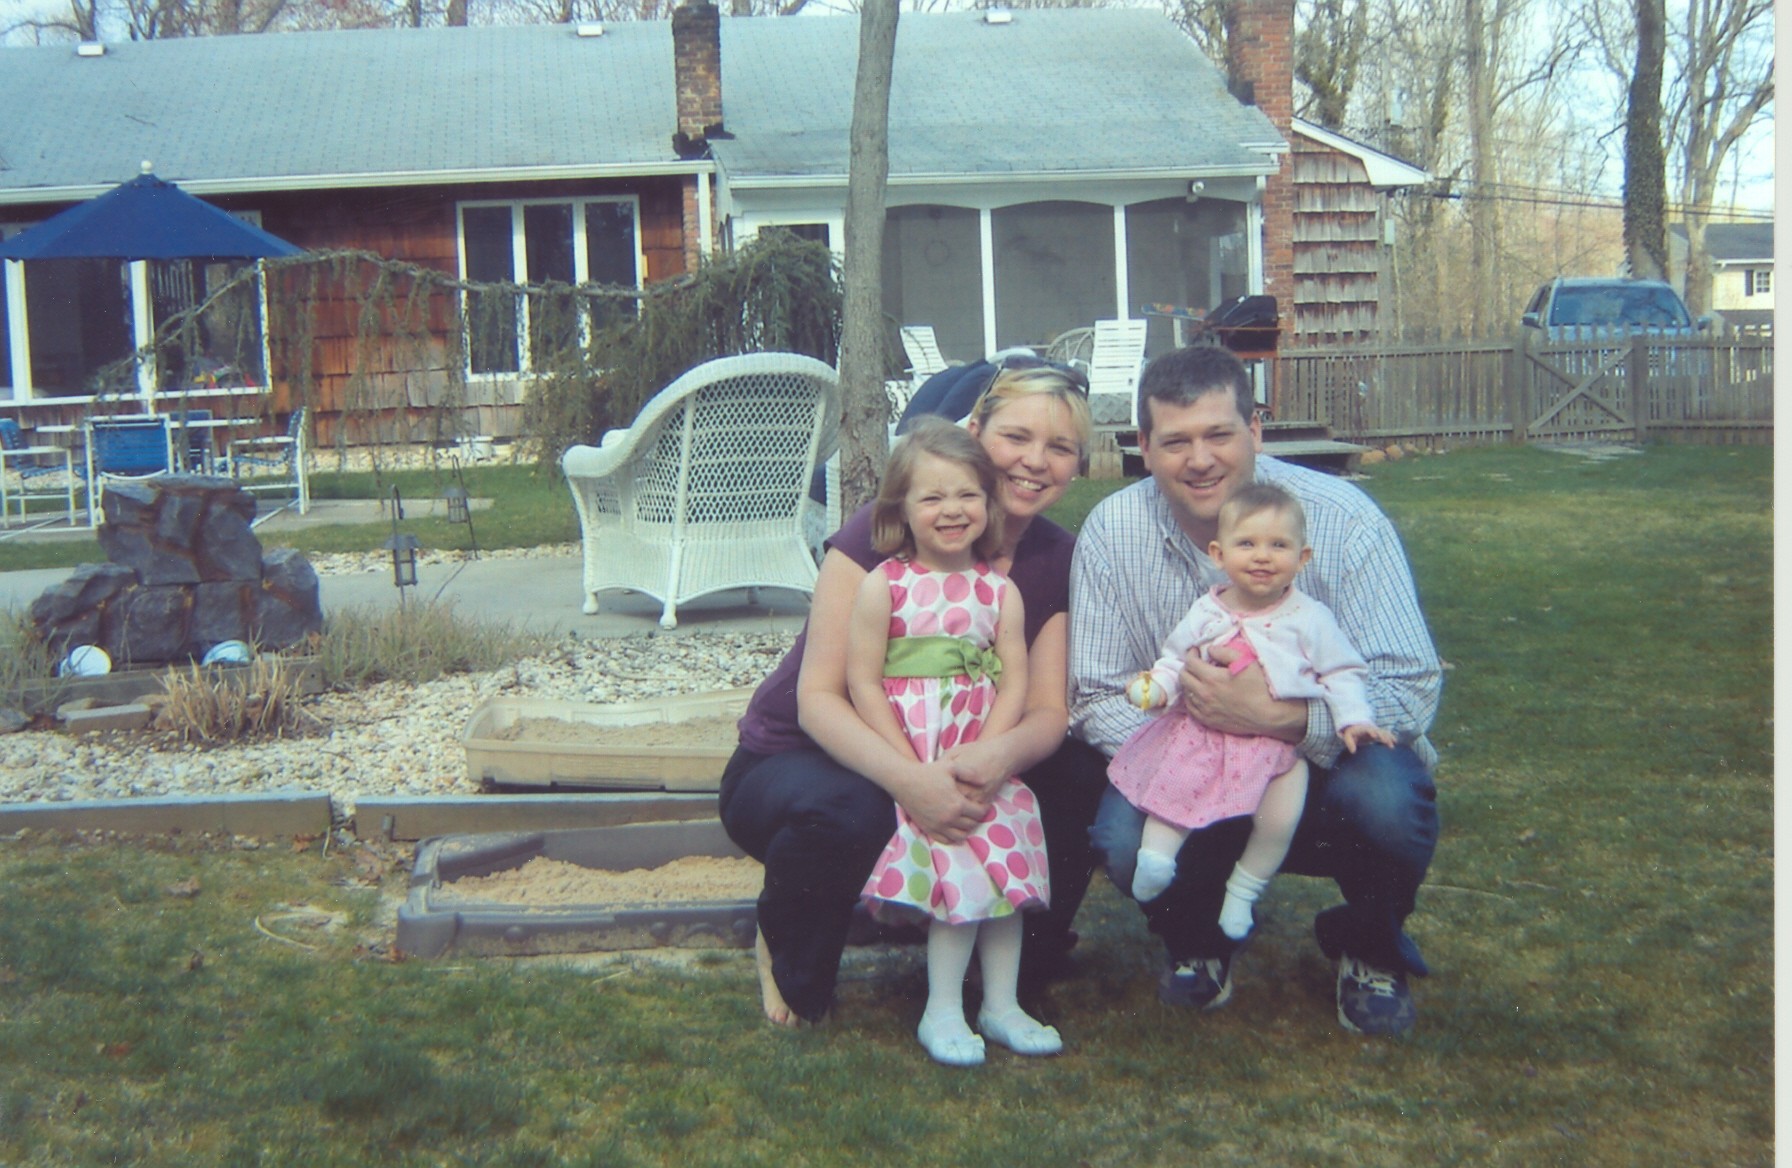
(1599, 917)
(529, 507)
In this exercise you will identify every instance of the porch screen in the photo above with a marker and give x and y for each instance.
(1054, 270)
(79, 316)
(933, 274)
(1191, 255)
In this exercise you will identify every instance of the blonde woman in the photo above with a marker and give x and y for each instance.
(812, 790)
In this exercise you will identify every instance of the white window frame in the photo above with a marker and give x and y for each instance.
(1758, 282)
(519, 264)
(23, 388)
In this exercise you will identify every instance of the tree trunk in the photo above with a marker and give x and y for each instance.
(1645, 161)
(864, 434)
(1481, 206)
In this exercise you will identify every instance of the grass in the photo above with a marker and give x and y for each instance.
(416, 643)
(529, 507)
(1599, 918)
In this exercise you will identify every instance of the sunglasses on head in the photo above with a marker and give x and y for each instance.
(1077, 378)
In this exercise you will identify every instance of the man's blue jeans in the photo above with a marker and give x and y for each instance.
(1370, 823)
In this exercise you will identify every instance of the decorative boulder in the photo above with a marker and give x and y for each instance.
(185, 572)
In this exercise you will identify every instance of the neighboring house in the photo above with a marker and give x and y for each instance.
(1741, 269)
(1343, 234)
(1047, 168)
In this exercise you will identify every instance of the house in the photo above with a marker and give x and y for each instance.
(1047, 168)
(1741, 270)
(1343, 233)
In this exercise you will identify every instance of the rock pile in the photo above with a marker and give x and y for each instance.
(184, 572)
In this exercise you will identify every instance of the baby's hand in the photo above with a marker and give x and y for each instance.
(1145, 693)
(1355, 735)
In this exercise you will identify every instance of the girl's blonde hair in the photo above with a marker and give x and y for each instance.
(1252, 498)
(1067, 385)
(890, 535)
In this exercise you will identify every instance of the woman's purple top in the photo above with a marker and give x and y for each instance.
(1041, 571)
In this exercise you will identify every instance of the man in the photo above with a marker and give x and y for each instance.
(1370, 821)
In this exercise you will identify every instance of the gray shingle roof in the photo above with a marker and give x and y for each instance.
(1102, 90)
(1077, 90)
(337, 105)
(1734, 241)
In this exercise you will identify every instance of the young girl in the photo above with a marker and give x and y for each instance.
(936, 656)
(1185, 775)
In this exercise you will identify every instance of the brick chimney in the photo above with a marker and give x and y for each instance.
(1260, 72)
(697, 73)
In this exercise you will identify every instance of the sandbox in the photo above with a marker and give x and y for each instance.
(436, 917)
(666, 744)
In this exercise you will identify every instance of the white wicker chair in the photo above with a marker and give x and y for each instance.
(707, 490)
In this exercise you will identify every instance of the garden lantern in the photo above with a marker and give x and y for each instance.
(404, 559)
(403, 548)
(455, 496)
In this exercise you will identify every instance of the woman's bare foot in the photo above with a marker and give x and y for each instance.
(777, 1010)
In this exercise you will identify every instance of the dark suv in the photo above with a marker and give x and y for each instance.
(1575, 306)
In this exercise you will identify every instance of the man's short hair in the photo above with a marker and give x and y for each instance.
(1181, 376)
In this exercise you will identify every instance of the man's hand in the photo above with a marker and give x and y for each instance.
(1238, 703)
(1356, 734)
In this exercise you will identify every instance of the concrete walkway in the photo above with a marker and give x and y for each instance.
(542, 593)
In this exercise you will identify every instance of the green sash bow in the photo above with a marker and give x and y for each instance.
(940, 657)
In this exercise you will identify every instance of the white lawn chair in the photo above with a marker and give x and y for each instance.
(286, 458)
(1115, 357)
(708, 489)
(29, 463)
(924, 359)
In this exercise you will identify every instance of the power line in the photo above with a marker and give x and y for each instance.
(1546, 198)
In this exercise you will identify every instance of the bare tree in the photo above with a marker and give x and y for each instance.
(1725, 55)
(1328, 56)
(866, 425)
(1645, 162)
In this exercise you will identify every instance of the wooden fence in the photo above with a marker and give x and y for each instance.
(1703, 389)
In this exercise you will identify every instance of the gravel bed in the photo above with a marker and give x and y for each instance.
(359, 563)
(389, 739)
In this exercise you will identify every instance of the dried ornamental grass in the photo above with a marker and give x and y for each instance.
(261, 701)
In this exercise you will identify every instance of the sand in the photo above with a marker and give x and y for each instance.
(542, 881)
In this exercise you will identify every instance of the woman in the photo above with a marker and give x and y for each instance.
(811, 790)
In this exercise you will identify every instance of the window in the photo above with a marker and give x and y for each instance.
(78, 313)
(1757, 282)
(566, 242)
(219, 345)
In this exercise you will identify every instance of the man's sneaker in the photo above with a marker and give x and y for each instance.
(1204, 983)
(1373, 1001)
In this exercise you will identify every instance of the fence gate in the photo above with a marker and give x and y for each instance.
(1583, 390)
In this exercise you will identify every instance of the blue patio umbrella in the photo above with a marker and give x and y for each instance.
(145, 219)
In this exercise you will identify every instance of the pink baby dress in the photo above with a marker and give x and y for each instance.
(1192, 775)
(944, 681)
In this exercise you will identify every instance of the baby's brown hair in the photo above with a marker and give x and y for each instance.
(1252, 498)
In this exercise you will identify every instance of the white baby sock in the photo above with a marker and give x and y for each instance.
(1242, 890)
(1151, 874)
